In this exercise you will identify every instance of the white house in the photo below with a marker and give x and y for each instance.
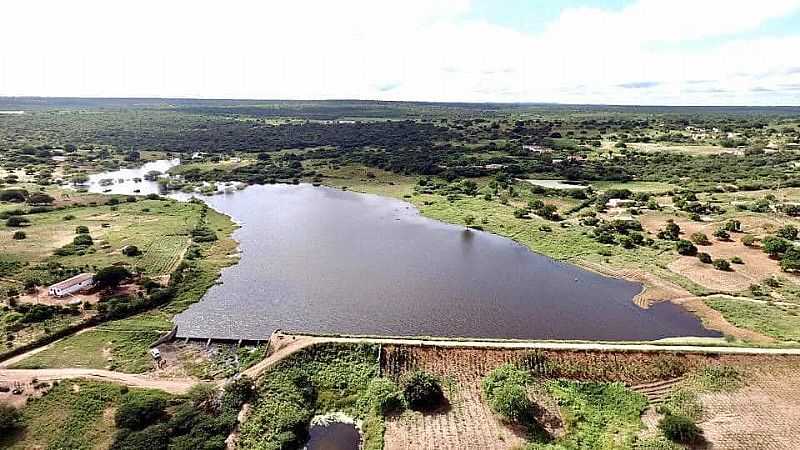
(70, 285)
(619, 203)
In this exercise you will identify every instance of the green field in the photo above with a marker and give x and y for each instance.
(779, 322)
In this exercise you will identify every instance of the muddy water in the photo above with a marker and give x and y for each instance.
(321, 260)
(333, 436)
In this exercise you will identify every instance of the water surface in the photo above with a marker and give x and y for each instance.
(124, 181)
(333, 436)
(321, 260)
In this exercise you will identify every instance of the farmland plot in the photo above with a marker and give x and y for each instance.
(164, 254)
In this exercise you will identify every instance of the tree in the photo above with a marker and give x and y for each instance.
(733, 226)
(679, 429)
(685, 248)
(671, 231)
(79, 178)
(139, 409)
(422, 391)
(748, 240)
(704, 258)
(81, 229)
(19, 235)
(82, 240)
(787, 232)
(14, 195)
(775, 246)
(40, 198)
(111, 276)
(790, 261)
(10, 418)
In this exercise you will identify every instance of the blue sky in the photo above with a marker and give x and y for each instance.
(685, 52)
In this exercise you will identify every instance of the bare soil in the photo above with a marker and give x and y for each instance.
(757, 264)
(765, 414)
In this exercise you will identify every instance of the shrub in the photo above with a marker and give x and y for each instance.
(384, 396)
(791, 260)
(19, 235)
(748, 240)
(10, 418)
(704, 258)
(81, 229)
(774, 245)
(130, 250)
(733, 226)
(40, 198)
(737, 260)
(139, 409)
(511, 402)
(82, 240)
(17, 221)
(721, 264)
(679, 429)
(700, 238)
(787, 232)
(13, 195)
(685, 248)
(722, 234)
(422, 391)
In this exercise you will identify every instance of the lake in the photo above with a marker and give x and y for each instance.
(316, 259)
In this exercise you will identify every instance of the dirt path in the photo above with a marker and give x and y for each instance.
(25, 376)
(283, 345)
(577, 346)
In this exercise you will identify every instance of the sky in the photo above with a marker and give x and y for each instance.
(655, 52)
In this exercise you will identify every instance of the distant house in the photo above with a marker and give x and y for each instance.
(70, 285)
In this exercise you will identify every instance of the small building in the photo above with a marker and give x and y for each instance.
(537, 149)
(70, 285)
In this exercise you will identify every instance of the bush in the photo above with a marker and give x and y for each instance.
(700, 238)
(110, 277)
(748, 240)
(788, 232)
(10, 418)
(685, 248)
(82, 240)
(17, 221)
(19, 235)
(679, 429)
(422, 391)
(139, 409)
(704, 258)
(511, 402)
(384, 396)
(722, 234)
(130, 250)
(721, 264)
(737, 260)
(81, 229)
(774, 245)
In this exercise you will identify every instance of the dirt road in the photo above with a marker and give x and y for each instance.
(285, 345)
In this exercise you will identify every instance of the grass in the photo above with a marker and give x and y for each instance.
(596, 415)
(318, 380)
(124, 351)
(779, 322)
(70, 416)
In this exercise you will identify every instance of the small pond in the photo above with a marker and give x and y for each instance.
(131, 181)
(333, 436)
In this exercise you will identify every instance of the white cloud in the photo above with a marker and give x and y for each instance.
(409, 50)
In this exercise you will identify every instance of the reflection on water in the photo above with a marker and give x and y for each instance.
(323, 260)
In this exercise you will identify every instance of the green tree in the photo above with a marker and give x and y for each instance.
(422, 391)
(775, 246)
(10, 418)
(790, 261)
(787, 232)
(679, 429)
(111, 276)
